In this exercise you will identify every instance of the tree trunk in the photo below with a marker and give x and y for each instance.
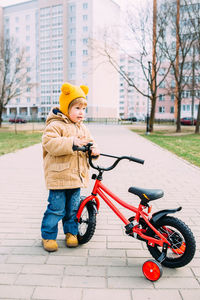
(178, 121)
(1, 112)
(198, 120)
(152, 115)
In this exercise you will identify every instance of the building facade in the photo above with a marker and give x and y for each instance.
(132, 104)
(56, 36)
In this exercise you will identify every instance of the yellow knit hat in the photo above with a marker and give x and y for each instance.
(69, 93)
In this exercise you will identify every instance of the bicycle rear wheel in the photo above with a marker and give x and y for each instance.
(182, 242)
(87, 224)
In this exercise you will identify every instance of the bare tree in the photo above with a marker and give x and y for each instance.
(177, 49)
(14, 79)
(194, 16)
(147, 55)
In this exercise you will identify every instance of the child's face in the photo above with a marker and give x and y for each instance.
(77, 113)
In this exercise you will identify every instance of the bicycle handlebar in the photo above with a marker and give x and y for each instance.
(87, 149)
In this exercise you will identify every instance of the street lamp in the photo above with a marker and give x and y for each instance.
(149, 72)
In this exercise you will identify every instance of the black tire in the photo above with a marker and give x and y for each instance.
(182, 241)
(87, 223)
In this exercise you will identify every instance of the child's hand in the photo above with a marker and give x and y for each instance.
(95, 151)
(80, 141)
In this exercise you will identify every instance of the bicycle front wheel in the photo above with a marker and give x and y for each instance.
(182, 241)
(87, 223)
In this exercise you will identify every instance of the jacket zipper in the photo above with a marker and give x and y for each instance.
(79, 172)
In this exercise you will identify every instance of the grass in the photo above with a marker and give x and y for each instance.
(185, 145)
(10, 142)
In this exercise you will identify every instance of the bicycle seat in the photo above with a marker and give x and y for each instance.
(146, 195)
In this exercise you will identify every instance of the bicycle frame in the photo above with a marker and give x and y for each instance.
(101, 190)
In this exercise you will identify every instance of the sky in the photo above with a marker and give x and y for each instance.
(11, 2)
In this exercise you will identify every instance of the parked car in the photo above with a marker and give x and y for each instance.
(17, 120)
(188, 121)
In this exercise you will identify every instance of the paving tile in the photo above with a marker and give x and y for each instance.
(66, 260)
(177, 283)
(84, 281)
(15, 292)
(38, 280)
(7, 278)
(106, 294)
(26, 259)
(85, 271)
(129, 283)
(107, 252)
(42, 269)
(106, 261)
(156, 294)
(124, 271)
(10, 268)
(50, 293)
(190, 294)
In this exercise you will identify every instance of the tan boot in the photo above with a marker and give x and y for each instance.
(50, 245)
(71, 240)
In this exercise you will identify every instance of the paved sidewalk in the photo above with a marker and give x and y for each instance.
(110, 265)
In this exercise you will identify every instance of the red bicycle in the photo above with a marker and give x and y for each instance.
(169, 240)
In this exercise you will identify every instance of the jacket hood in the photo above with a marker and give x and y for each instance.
(56, 115)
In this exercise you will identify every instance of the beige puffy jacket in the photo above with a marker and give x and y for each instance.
(63, 167)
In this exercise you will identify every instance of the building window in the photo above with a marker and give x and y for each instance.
(72, 42)
(85, 52)
(161, 97)
(85, 29)
(28, 99)
(72, 19)
(172, 97)
(72, 30)
(57, 9)
(72, 8)
(162, 85)
(161, 109)
(85, 5)
(72, 53)
(173, 84)
(72, 64)
(162, 71)
(85, 17)
(85, 41)
(172, 109)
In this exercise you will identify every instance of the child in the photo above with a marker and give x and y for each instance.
(65, 170)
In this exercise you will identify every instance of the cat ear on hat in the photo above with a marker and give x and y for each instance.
(66, 88)
(85, 89)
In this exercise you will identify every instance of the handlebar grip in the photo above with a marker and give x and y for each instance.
(137, 160)
(83, 148)
(77, 148)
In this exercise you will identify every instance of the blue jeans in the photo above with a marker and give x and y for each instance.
(63, 205)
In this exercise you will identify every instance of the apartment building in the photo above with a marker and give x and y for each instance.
(131, 102)
(56, 36)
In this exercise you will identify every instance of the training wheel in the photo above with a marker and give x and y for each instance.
(152, 270)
